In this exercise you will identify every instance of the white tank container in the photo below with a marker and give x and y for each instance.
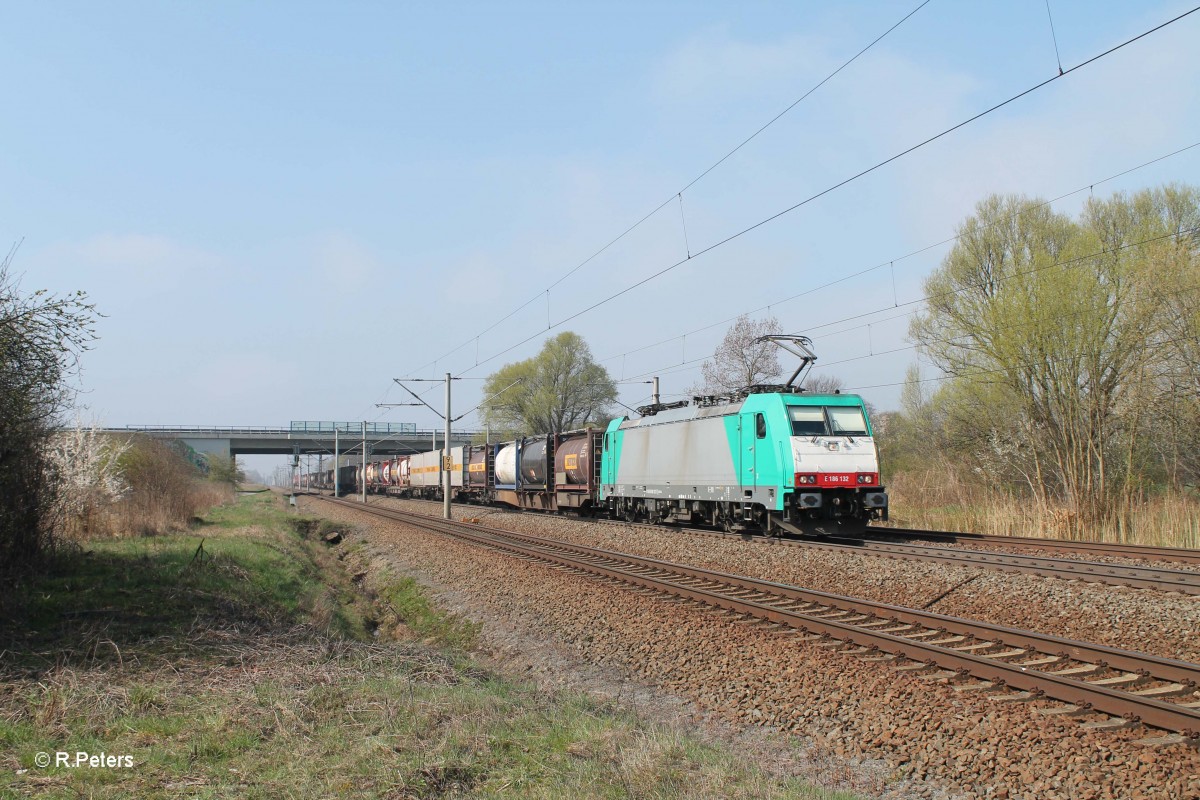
(506, 465)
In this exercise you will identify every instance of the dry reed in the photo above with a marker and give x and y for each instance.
(945, 500)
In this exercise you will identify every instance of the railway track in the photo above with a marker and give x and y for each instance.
(1142, 577)
(1050, 546)
(1120, 687)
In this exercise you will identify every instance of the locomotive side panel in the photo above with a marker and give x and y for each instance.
(683, 459)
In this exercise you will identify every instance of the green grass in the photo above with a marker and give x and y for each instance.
(258, 667)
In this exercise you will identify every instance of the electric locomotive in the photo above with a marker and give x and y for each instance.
(771, 458)
(768, 458)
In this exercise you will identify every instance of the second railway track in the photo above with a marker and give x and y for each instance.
(1121, 687)
(1138, 576)
(1186, 582)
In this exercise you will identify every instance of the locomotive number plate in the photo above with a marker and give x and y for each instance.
(836, 479)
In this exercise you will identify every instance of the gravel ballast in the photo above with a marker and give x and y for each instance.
(939, 741)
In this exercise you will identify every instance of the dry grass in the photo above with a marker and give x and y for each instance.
(165, 494)
(944, 500)
(247, 668)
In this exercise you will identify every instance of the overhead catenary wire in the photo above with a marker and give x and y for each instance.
(691, 183)
(844, 182)
(1023, 273)
(891, 263)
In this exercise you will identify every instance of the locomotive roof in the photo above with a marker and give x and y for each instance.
(693, 411)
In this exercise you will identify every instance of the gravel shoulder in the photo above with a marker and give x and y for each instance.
(1160, 623)
(862, 726)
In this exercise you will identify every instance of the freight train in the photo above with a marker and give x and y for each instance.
(770, 459)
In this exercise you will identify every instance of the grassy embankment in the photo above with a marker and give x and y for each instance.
(244, 659)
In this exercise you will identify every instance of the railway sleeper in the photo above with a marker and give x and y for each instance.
(1040, 662)
(980, 686)
(1170, 690)
(1009, 653)
(1068, 710)
(942, 676)
(1127, 679)
(1110, 724)
(1014, 697)
(920, 634)
(1082, 669)
(1168, 740)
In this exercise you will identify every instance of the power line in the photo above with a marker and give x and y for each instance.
(838, 185)
(669, 369)
(995, 370)
(904, 257)
(678, 193)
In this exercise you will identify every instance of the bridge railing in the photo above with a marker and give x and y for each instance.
(389, 429)
(304, 426)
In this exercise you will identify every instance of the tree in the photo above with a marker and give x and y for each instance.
(86, 466)
(1047, 329)
(224, 469)
(559, 389)
(739, 360)
(41, 339)
(823, 384)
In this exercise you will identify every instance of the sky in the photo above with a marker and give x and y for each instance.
(281, 207)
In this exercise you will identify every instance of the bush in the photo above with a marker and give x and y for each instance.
(165, 490)
(41, 338)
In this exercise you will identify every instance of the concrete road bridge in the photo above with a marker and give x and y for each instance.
(303, 438)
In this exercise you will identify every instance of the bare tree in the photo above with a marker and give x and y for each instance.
(740, 360)
(41, 338)
(823, 384)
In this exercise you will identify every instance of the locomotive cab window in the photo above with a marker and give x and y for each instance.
(760, 426)
(808, 421)
(827, 421)
(847, 421)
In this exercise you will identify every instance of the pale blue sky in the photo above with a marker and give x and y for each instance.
(282, 206)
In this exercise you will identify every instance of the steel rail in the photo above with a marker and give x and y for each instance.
(1170, 580)
(1141, 577)
(826, 614)
(1135, 551)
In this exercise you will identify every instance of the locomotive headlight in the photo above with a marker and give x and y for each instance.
(868, 478)
(805, 479)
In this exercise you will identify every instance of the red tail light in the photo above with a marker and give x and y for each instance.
(805, 479)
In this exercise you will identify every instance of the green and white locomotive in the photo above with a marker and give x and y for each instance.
(768, 458)
(773, 459)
